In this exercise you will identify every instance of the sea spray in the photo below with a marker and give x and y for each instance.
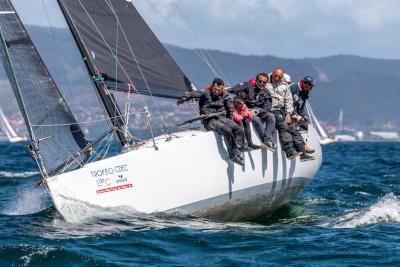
(27, 200)
(386, 210)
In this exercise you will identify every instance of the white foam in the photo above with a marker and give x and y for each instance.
(36, 252)
(18, 174)
(386, 210)
(28, 200)
(390, 175)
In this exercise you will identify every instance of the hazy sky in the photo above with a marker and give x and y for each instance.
(284, 28)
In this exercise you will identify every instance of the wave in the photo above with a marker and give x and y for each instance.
(386, 210)
(18, 174)
(28, 200)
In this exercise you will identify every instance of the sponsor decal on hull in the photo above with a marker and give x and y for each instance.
(115, 188)
(111, 179)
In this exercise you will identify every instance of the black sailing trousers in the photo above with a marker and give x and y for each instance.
(230, 130)
(265, 132)
(298, 141)
(289, 136)
(283, 131)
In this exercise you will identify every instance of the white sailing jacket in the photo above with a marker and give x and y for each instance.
(281, 96)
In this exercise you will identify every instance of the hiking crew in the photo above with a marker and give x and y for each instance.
(217, 100)
(243, 117)
(300, 92)
(259, 100)
(282, 107)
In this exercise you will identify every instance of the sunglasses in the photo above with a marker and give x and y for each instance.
(308, 83)
(262, 82)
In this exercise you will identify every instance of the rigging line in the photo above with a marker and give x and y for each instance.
(116, 42)
(85, 122)
(112, 53)
(194, 35)
(109, 122)
(57, 47)
(108, 148)
(196, 50)
(101, 146)
(113, 102)
(197, 38)
(141, 73)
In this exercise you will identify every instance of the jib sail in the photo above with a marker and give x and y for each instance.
(52, 127)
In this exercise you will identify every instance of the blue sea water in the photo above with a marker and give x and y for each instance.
(349, 215)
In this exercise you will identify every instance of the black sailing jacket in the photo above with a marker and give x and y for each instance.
(210, 103)
(255, 97)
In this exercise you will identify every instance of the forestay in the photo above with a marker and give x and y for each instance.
(123, 47)
(52, 127)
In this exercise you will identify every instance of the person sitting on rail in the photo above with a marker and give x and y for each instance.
(282, 107)
(243, 117)
(258, 99)
(217, 100)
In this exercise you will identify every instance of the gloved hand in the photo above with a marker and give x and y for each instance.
(181, 100)
(296, 118)
(245, 114)
(254, 112)
(305, 119)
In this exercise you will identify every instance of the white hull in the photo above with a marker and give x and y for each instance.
(191, 173)
(327, 140)
(345, 138)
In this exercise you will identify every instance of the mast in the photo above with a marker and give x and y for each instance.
(108, 100)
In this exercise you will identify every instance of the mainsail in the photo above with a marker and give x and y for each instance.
(123, 48)
(56, 136)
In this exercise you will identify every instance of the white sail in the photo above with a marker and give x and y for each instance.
(324, 139)
(12, 136)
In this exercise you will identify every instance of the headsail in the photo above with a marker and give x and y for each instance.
(52, 127)
(124, 48)
(320, 130)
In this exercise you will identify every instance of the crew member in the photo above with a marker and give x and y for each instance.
(243, 117)
(258, 99)
(217, 100)
(282, 107)
(301, 92)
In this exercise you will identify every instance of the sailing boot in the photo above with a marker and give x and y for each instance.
(309, 149)
(306, 157)
(271, 146)
(293, 154)
(237, 159)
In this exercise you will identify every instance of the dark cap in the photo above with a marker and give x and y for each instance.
(309, 80)
(238, 99)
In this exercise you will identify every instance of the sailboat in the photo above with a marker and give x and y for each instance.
(11, 135)
(187, 171)
(324, 139)
(340, 136)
